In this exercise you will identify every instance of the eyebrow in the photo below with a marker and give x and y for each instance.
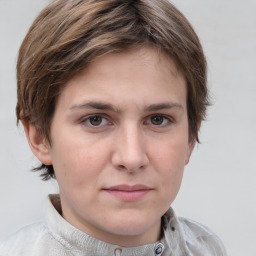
(162, 106)
(94, 105)
(110, 107)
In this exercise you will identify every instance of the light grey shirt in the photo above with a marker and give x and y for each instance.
(56, 237)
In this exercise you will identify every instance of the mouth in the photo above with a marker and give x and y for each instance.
(128, 193)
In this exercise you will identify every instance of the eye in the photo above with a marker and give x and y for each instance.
(95, 121)
(159, 120)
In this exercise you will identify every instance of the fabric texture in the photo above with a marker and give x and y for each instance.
(56, 237)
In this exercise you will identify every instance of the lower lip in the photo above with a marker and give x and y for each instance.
(129, 196)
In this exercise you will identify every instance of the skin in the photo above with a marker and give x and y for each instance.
(122, 121)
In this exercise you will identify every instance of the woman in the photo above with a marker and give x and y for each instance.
(111, 95)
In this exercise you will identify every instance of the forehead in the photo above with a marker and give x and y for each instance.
(144, 72)
(154, 57)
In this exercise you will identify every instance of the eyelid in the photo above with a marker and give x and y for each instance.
(166, 117)
(86, 118)
(170, 120)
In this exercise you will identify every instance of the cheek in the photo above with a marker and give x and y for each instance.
(171, 152)
(169, 161)
(77, 162)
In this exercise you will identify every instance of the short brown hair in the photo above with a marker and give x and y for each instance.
(69, 34)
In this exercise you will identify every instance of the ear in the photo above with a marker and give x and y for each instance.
(37, 142)
(190, 148)
(192, 144)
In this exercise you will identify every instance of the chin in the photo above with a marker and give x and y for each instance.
(133, 227)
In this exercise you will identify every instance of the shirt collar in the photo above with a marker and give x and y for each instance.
(80, 242)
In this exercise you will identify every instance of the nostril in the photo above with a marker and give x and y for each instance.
(121, 167)
(130, 169)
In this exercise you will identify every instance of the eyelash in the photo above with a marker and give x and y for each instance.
(165, 119)
(86, 121)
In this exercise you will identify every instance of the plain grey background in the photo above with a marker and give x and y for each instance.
(219, 185)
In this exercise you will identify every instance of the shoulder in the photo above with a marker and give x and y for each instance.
(201, 238)
(22, 241)
(193, 227)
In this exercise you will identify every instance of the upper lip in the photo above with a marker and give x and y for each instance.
(124, 187)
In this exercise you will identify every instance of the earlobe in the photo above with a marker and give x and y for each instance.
(37, 142)
(192, 144)
(190, 148)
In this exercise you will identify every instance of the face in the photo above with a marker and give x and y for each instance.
(119, 144)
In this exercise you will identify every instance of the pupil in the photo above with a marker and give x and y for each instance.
(157, 120)
(96, 120)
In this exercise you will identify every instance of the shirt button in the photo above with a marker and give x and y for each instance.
(159, 249)
(118, 252)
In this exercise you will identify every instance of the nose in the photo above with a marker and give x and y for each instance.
(130, 150)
